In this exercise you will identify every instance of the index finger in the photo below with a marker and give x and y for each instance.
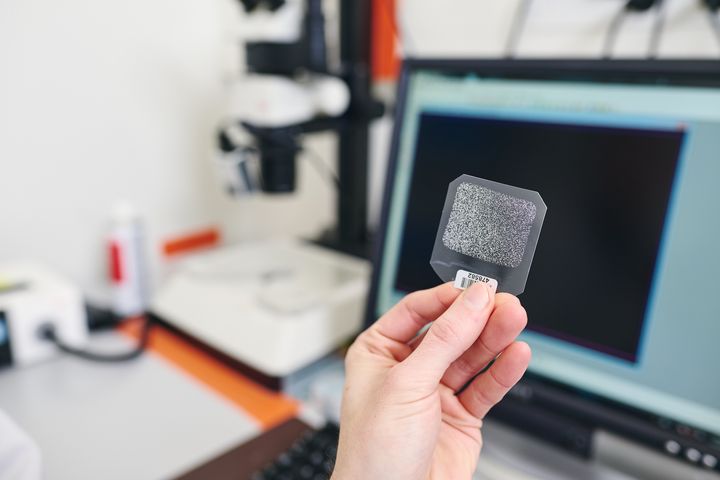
(402, 322)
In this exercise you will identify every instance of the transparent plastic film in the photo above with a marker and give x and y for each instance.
(487, 233)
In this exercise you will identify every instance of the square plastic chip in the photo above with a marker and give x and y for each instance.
(488, 233)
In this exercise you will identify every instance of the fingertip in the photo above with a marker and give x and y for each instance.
(513, 363)
(522, 351)
(477, 296)
(503, 298)
(521, 317)
(508, 321)
(447, 292)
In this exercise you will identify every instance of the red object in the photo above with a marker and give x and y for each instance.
(116, 271)
(206, 238)
(385, 61)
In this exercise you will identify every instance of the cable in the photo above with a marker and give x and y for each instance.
(657, 30)
(636, 6)
(100, 318)
(321, 167)
(517, 27)
(613, 31)
(715, 24)
(713, 7)
(47, 332)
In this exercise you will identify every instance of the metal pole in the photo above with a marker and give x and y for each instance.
(353, 138)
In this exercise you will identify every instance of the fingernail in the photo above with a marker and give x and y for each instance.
(478, 295)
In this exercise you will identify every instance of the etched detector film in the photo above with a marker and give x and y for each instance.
(489, 229)
(490, 226)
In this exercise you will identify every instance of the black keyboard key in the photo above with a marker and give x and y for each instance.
(316, 458)
(312, 457)
(306, 472)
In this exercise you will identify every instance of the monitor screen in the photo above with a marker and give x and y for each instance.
(5, 353)
(621, 297)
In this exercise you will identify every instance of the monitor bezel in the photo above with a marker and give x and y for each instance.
(598, 411)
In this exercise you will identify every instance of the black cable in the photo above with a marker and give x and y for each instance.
(613, 31)
(321, 167)
(637, 6)
(47, 332)
(517, 27)
(713, 7)
(657, 30)
(100, 318)
(715, 24)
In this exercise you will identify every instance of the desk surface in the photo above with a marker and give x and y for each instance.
(177, 410)
(146, 419)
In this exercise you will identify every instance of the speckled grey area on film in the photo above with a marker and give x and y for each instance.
(488, 225)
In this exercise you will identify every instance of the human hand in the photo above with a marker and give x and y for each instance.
(402, 417)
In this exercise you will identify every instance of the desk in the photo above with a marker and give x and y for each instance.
(178, 413)
(147, 419)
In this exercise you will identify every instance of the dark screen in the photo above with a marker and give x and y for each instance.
(5, 353)
(607, 192)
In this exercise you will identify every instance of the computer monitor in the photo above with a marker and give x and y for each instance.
(623, 296)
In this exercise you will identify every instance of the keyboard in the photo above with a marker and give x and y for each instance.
(311, 457)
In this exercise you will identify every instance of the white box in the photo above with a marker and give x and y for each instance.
(275, 305)
(30, 297)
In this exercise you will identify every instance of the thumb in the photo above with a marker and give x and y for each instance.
(450, 336)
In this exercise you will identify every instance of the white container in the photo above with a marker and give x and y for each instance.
(32, 297)
(127, 266)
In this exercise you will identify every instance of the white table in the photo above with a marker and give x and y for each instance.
(144, 419)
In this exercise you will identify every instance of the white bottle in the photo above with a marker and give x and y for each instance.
(127, 266)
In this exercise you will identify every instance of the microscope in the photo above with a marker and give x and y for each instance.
(278, 305)
(292, 88)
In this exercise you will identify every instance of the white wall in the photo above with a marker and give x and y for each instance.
(102, 100)
(568, 28)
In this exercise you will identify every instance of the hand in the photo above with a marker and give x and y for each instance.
(402, 416)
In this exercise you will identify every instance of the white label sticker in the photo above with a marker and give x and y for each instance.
(463, 279)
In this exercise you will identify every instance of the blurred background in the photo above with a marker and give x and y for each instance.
(218, 171)
(106, 102)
